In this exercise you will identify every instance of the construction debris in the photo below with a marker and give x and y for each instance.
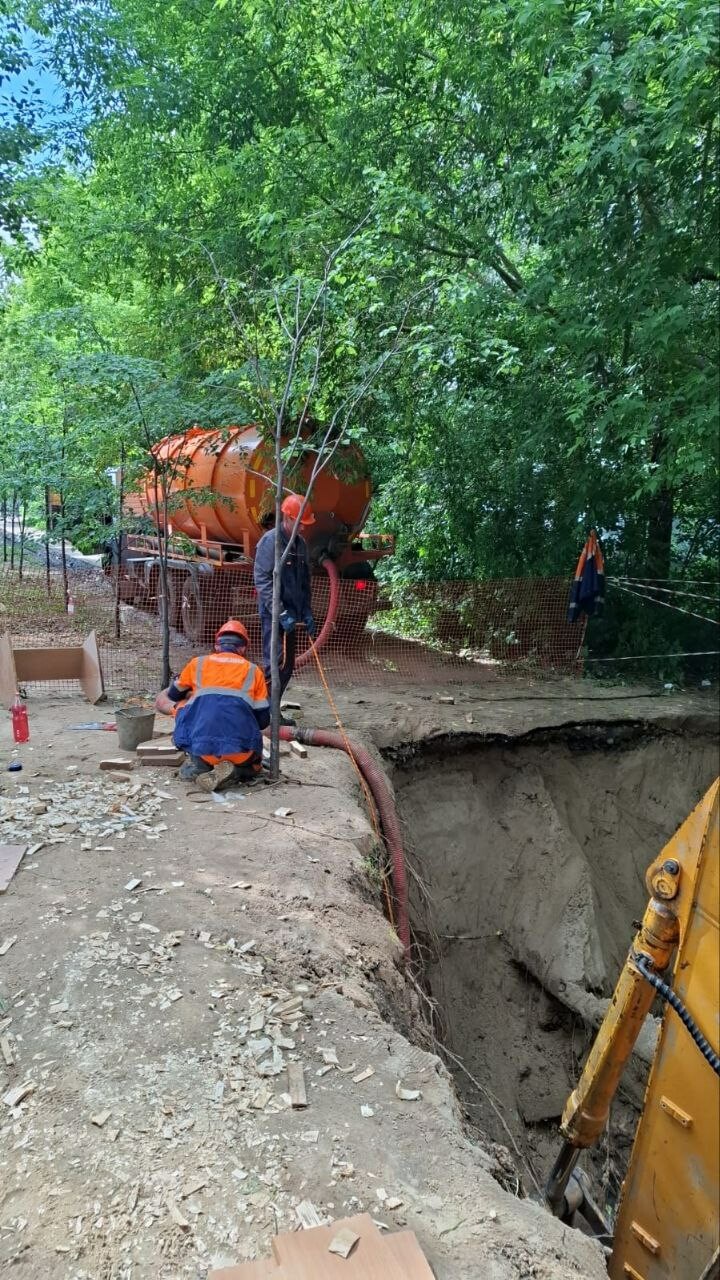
(407, 1095)
(298, 749)
(7, 944)
(15, 1096)
(178, 1218)
(307, 1215)
(343, 1242)
(89, 808)
(296, 1085)
(161, 752)
(11, 856)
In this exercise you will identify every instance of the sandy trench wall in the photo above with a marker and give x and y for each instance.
(547, 840)
(532, 855)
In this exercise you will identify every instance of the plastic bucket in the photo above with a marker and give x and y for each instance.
(134, 725)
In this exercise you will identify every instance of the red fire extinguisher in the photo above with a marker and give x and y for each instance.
(20, 723)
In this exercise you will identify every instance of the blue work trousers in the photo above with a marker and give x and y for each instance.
(287, 645)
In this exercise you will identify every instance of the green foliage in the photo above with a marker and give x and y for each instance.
(530, 195)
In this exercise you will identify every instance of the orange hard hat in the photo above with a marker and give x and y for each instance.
(232, 628)
(291, 508)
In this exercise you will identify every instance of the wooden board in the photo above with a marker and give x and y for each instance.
(264, 1270)
(8, 674)
(48, 664)
(405, 1250)
(304, 1254)
(10, 858)
(91, 676)
(28, 666)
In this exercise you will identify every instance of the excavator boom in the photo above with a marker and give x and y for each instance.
(667, 1224)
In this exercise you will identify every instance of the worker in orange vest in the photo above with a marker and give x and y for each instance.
(220, 704)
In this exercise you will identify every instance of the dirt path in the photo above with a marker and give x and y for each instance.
(155, 1025)
(155, 1022)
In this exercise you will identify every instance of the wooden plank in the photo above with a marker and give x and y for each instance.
(8, 674)
(405, 1250)
(11, 856)
(48, 664)
(91, 675)
(263, 1270)
(304, 1254)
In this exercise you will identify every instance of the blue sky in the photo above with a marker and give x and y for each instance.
(37, 76)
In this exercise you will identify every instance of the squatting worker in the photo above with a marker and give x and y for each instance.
(220, 704)
(295, 604)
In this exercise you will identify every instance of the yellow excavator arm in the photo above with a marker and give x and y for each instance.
(667, 1223)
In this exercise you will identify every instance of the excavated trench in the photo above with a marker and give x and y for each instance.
(528, 859)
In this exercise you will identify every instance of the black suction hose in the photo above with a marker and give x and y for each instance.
(666, 993)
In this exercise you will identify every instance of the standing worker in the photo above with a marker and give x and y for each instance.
(220, 704)
(295, 603)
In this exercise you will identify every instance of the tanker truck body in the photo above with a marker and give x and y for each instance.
(211, 496)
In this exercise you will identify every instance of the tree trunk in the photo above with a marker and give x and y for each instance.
(12, 529)
(118, 567)
(659, 541)
(4, 519)
(661, 509)
(275, 692)
(23, 519)
(47, 537)
(63, 554)
(165, 609)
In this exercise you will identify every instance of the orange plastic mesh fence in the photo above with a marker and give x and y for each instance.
(430, 632)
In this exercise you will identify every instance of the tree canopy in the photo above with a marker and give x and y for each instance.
(532, 194)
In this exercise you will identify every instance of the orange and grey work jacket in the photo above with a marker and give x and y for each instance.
(226, 709)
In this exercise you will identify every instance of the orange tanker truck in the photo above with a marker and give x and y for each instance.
(210, 494)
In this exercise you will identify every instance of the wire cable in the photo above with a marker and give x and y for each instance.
(638, 657)
(666, 993)
(666, 591)
(642, 595)
(687, 582)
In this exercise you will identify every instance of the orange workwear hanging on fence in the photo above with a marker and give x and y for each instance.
(587, 594)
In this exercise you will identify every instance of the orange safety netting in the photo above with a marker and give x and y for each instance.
(418, 633)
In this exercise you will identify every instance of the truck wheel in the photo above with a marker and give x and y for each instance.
(195, 622)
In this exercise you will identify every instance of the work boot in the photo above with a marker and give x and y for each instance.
(219, 777)
(193, 767)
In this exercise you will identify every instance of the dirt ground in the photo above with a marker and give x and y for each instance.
(155, 1022)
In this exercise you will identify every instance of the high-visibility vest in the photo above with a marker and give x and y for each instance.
(227, 708)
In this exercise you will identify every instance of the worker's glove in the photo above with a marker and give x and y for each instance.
(287, 622)
(309, 623)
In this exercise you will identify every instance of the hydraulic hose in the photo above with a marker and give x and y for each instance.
(387, 813)
(328, 625)
(666, 993)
